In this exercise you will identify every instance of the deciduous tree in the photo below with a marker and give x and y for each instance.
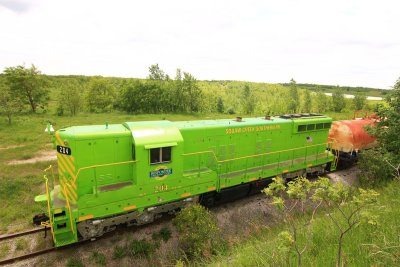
(351, 209)
(193, 92)
(338, 100)
(27, 85)
(8, 104)
(101, 95)
(156, 73)
(290, 199)
(293, 102)
(388, 127)
(307, 102)
(220, 105)
(248, 100)
(359, 101)
(321, 102)
(71, 97)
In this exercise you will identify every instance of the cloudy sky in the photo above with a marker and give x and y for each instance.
(341, 42)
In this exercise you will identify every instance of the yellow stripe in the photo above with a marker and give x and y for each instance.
(285, 171)
(309, 165)
(65, 157)
(71, 181)
(60, 142)
(252, 179)
(211, 188)
(82, 218)
(71, 193)
(70, 164)
(72, 158)
(61, 167)
(70, 196)
(185, 194)
(65, 166)
(129, 207)
(222, 186)
(75, 195)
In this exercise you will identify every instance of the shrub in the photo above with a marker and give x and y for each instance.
(164, 234)
(75, 262)
(98, 258)
(374, 167)
(198, 231)
(140, 248)
(231, 111)
(119, 252)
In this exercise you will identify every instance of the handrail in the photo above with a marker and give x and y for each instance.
(331, 145)
(69, 209)
(48, 204)
(250, 156)
(101, 165)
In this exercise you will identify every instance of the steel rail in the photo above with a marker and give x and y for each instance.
(27, 256)
(28, 232)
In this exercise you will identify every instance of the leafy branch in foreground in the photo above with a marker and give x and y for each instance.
(291, 199)
(346, 210)
(353, 209)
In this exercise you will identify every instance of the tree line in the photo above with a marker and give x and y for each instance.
(24, 89)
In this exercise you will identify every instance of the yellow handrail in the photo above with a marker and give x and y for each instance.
(101, 165)
(48, 205)
(250, 156)
(69, 209)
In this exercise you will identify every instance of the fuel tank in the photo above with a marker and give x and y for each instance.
(350, 135)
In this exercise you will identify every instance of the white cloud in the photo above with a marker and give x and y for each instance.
(340, 42)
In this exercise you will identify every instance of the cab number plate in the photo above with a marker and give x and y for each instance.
(64, 150)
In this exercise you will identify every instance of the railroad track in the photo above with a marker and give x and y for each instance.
(28, 255)
(51, 249)
(28, 232)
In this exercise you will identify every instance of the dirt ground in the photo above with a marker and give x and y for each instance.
(47, 155)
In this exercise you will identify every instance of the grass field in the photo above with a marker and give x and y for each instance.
(366, 245)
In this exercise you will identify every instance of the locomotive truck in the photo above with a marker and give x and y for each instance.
(133, 173)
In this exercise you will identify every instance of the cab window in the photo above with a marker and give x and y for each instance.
(160, 155)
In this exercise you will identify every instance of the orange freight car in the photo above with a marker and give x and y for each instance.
(349, 137)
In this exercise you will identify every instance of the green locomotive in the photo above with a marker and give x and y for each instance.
(134, 172)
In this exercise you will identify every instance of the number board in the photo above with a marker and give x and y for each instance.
(64, 150)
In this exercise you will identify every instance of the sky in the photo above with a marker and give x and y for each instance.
(341, 42)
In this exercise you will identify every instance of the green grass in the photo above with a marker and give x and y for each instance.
(119, 252)
(75, 262)
(98, 258)
(364, 246)
(4, 249)
(21, 244)
(164, 234)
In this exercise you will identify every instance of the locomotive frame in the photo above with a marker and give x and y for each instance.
(133, 173)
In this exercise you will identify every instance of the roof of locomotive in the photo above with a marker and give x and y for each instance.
(125, 128)
(248, 121)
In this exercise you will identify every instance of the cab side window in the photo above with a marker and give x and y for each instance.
(160, 155)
